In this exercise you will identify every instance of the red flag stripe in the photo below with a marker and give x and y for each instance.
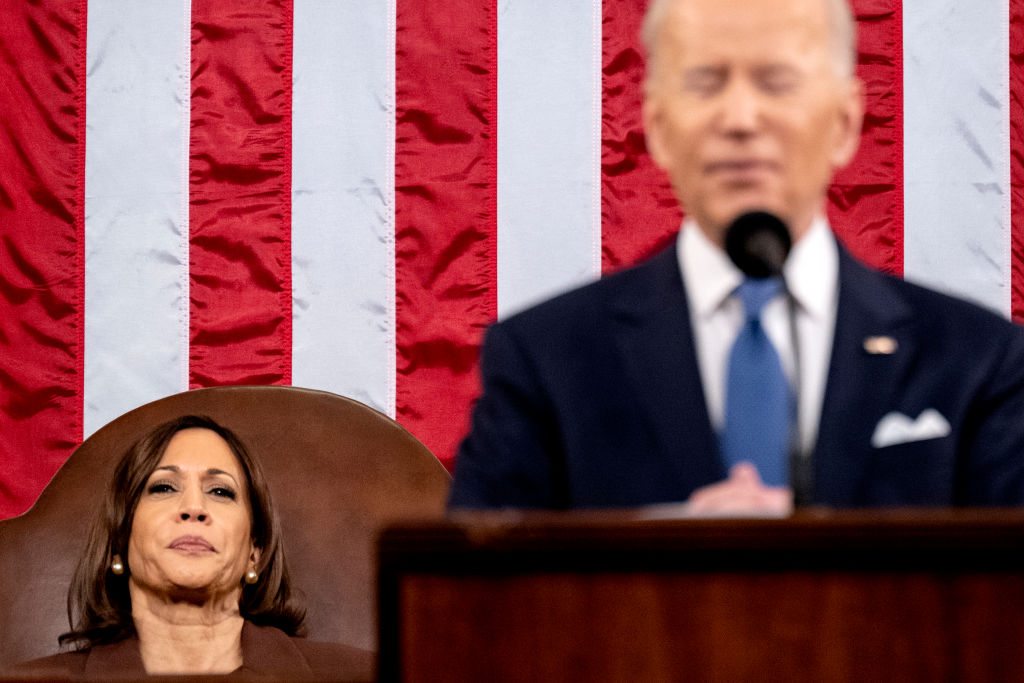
(240, 193)
(866, 200)
(1017, 158)
(639, 213)
(42, 194)
(445, 211)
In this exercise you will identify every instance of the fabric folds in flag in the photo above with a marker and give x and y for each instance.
(343, 195)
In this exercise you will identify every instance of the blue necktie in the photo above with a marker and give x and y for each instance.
(758, 398)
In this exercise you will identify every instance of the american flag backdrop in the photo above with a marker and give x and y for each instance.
(342, 194)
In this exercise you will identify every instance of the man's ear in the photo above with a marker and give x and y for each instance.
(653, 113)
(851, 119)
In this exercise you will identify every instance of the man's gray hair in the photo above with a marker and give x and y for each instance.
(843, 24)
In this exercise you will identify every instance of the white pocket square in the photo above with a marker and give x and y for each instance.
(896, 428)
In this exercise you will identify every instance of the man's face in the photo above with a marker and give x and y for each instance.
(746, 109)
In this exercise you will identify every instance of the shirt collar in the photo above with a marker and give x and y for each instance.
(812, 270)
(709, 274)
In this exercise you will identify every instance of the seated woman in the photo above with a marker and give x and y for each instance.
(184, 572)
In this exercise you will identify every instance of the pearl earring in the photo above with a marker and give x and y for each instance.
(117, 565)
(251, 576)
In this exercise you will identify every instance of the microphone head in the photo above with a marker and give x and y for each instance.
(758, 243)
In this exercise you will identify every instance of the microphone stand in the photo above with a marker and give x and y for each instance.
(801, 472)
(758, 243)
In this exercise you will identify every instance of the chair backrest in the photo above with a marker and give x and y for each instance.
(337, 470)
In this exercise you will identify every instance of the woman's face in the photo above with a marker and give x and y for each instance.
(191, 535)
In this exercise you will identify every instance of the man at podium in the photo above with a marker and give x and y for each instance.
(755, 360)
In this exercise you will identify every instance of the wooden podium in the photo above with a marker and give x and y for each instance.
(819, 596)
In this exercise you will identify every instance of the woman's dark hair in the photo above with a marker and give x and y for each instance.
(99, 606)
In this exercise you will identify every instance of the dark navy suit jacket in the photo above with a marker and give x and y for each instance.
(594, 399)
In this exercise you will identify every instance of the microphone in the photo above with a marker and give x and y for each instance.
(758, 243)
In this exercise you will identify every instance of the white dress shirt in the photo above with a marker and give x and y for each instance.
(812, 275)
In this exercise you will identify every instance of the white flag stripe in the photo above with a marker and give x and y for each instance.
(956, 128)
(136, 247)
(549, 118)
(343, 259)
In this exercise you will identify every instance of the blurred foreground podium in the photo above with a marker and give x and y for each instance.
(820, 596)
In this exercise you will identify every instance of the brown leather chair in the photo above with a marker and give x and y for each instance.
(337, 470)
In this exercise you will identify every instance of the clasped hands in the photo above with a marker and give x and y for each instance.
(741, 494)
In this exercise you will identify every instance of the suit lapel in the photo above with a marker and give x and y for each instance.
(861, 384)
(651, 326)
(118, 660)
